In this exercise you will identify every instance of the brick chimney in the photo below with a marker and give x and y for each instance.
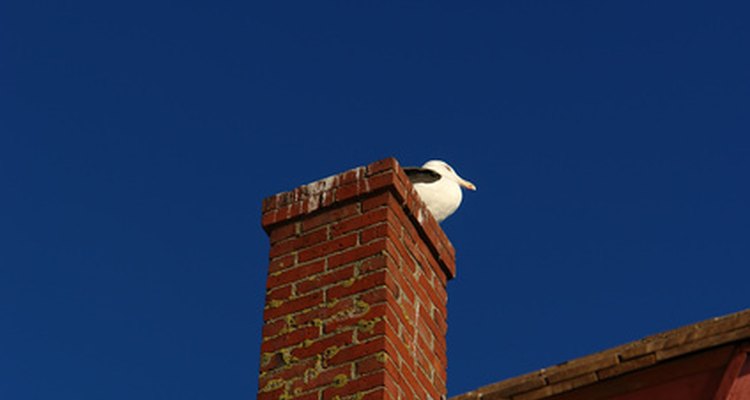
(356, 291)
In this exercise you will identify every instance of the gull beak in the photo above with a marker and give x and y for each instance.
(466, 184)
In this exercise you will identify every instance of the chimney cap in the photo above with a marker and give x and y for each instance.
(381, 176)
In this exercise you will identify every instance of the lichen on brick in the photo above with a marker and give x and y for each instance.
(287, 357)
(405, 313)
(331, 351)
(273, 384)
(362, 306)
(282, 331)
(340, 380)
(356, 396)
(274, 303)
(349, 282)
(310, 374)
(367, 325)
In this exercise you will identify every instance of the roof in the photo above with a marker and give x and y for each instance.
(619, 361)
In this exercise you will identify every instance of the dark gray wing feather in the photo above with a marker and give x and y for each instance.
(421, 175)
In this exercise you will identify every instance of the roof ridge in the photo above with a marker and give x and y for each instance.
(621, 359)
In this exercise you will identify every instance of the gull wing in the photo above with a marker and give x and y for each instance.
(421, 175)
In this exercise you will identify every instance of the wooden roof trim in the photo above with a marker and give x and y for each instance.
(619, 360)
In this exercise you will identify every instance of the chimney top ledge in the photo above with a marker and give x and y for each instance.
(361, 182)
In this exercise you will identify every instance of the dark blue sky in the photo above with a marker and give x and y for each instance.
(609, 141)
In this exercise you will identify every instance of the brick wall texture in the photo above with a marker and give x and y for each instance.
(356, 291)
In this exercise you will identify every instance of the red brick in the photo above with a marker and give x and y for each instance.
(385, 164)
(376, 296)
(428, 295)
(325, 312)
(373, 264)
(273, 395)
(426, 319)
(290, 339)
(280, 263)
(398, 243)
(323, 378)
(378, 329)
(268, 219)
(291, 306)
(358, 351)
(361, 384)
(352, 175)
(319, 346)
(279, 293)
(271, 329)
(421, 353)
(295, 274)
(404, 289)
(415, 249)
(395, 316)
(393, 289)
(381, 181)
(328, 247)
(320, 281)
(358, 222)
(297, 209)
(428, 385)
(273, 362)
(282, 232)
(396, 347)
(297, 243)
(348, 191)
(393, 382)
(443, 357)
(283, 213)
(380, 199)
(374, 232)
(441, 376)
(269, 203)
(309, 396)
(356, 254)
(360, 284)
(370, 364)
(328, 216)
(413, 384)
(353, 320)
(379, 394)
(287, 371)
(285, 199)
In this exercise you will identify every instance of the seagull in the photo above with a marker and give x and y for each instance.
(439, 186)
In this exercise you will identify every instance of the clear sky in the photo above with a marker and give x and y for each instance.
(609, 141)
